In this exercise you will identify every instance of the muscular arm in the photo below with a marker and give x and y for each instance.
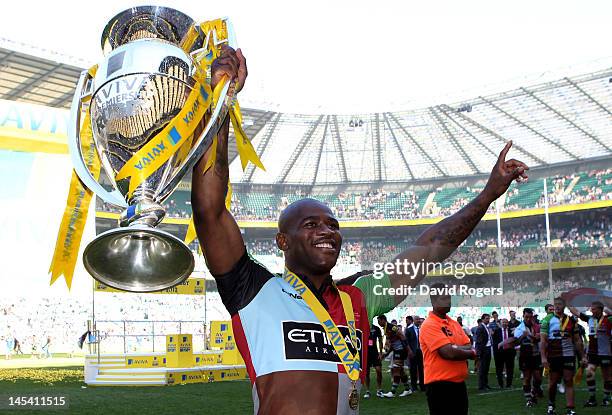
(217, 230)
(439, 241)
(452, 352)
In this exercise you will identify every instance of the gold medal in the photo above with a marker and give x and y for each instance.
(353, 398)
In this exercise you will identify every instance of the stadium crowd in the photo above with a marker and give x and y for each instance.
(381, 204)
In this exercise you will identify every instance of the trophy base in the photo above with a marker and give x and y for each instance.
(138, 258)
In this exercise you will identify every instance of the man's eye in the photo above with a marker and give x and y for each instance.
(309, 225)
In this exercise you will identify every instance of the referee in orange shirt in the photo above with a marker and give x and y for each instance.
(445, 351)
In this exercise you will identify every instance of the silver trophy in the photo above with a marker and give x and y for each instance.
(142, 84)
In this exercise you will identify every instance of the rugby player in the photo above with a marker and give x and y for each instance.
(527, 335)
(300, 334)
(375, 350)
(560, 342)
(598, 352)
(401, 351)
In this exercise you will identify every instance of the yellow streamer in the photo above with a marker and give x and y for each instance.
(243, 144)
(75, 213)
(163, 146)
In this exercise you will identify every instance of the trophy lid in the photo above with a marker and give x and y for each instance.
(145, 22)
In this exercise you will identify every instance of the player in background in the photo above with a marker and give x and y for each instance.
(396, 344)
(598, 352)
(560, 342)
(527, 336)
(375, 351)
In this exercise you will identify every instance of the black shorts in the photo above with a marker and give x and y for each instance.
(530, 362)
(373, 359)
(400, 354)
(559, 364)
(445, 398)
(597, 360)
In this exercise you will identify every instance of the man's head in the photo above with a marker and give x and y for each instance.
(549, 308)
(309, 235)
(382, 320)
(485, 319)
(597, 309)
(460, 320)
(512, 314)
(495, 315)
(559, 305)
(504, 323)
(409, 320)
(528, 316)
(394, 322)
(418, 321)
(441, 303)
(479, 321)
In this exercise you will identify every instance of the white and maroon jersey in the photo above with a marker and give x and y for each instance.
(292, 365)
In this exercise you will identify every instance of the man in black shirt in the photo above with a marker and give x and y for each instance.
(375, 348)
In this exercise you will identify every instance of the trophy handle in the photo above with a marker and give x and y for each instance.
(211, 130)
(83, 90)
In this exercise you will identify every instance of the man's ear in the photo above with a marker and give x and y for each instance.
(282, 241)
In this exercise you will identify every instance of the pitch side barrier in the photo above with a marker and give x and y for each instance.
(380, 223)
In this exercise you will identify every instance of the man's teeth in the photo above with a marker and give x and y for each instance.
(324, 245)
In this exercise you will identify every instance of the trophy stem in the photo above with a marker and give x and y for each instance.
(142, 212)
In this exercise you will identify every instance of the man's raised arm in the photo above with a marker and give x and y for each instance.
(439, 241)
(217, 230)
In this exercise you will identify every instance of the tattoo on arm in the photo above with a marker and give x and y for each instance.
(453, 230)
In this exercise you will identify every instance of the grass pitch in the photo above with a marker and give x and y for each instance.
(235, 397)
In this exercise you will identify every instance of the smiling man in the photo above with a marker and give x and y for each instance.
(301, 334)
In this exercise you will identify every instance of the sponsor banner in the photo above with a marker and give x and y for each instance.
(191, 286)
(308, 341)
(222, 335)
(33, 128)
(208, 359)
(206, 376)
(145, 361)
(179, 350)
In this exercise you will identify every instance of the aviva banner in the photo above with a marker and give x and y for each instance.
(33, 128)
(191, 286)
(208, 375)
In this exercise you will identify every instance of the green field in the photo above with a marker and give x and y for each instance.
(232, 397)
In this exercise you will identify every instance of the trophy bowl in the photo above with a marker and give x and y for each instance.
(141, 86)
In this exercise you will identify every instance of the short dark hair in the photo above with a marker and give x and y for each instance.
(383, 317)
(548, 305)
(410, 318)
(485, 315)
(597, 304)
(494, 312)
(479, 321)
(527, 310)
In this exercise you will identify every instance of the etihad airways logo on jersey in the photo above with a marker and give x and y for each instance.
(308, 341)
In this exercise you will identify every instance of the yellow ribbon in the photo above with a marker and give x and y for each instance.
(163, 146)
(243, 144)
(75, 213)
(350, 362)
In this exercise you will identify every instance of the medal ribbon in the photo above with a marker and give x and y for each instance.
(349, 361)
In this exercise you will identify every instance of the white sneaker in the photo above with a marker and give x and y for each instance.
(407, 392)
(366, 395)
(561, 388)
(388, 395)
(380, 394)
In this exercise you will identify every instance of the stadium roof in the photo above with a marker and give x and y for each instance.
(561, 121)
